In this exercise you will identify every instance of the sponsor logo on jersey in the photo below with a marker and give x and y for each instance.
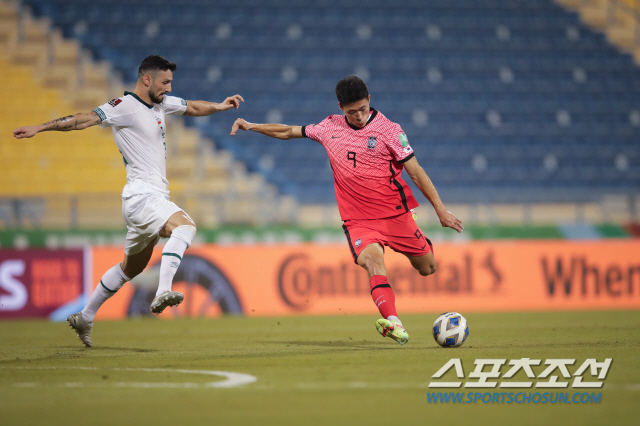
(358, 242)
(114, 102)
(405, 142)
(403, 139)
(372, 142)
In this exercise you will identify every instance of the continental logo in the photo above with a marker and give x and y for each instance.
(302, 280)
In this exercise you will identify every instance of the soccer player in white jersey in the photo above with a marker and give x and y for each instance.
(139, 128)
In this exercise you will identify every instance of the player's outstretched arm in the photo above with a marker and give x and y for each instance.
(72, 122)
(202, 108)
(424, 184)
(280, 131)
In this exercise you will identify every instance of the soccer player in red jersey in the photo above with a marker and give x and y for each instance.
(367, 152)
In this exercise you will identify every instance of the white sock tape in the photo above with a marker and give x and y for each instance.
(185, 233)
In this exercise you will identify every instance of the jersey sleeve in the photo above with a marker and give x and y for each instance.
(174, 105)
(115, 113)
(315, 131)
(398, 145)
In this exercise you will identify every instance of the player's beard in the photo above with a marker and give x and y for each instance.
(154, 97)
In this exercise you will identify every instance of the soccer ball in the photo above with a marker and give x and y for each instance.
(450, 330)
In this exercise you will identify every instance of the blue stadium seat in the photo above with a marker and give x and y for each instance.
(498, 78)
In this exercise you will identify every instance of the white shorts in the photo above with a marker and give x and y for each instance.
(145, 215)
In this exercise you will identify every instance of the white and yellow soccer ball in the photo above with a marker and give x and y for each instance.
(450, 330)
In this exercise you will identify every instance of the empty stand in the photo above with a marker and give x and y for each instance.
(73, 179)
(502, 100)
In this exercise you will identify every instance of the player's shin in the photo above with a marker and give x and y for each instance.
(383, 297)
(110, 283)
(180, 240)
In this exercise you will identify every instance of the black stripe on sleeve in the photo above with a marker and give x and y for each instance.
(380, 286)
(304, 133)
(407, 158)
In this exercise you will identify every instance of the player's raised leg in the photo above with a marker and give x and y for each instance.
(407, 238)
(372, 260)
(110, 283)
(425, 265)
(180, 229)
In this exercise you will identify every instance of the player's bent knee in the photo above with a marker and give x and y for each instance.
(427, 269)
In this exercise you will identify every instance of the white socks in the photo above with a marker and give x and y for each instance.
(114, 278)
(180, 240)
(111, 282)
(394, 319)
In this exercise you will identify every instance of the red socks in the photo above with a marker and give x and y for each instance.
(382, 295)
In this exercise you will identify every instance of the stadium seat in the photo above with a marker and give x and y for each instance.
(53, 163)
(514, 81)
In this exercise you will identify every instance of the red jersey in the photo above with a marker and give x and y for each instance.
(366, 164)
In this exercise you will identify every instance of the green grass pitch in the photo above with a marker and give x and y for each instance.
(309, 370)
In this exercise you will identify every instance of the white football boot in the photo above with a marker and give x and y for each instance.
(165, 299)
(81, 327)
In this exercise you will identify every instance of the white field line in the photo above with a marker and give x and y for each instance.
(239, 379)
(231, 379)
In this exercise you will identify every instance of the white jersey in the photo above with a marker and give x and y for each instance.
(139, 131)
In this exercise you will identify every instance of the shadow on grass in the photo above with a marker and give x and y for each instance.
(361, 345)
(307, 348)
(113, 348)
(77, 351)
(353, 344)
(74, 352)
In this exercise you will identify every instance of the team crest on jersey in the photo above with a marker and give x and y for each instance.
(159, 120)
(114, 102)
(359, 241)
(372, 142)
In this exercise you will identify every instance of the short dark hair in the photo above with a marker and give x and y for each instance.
(154, 63)
(351, 89)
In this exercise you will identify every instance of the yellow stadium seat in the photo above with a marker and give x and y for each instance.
(52, 162)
